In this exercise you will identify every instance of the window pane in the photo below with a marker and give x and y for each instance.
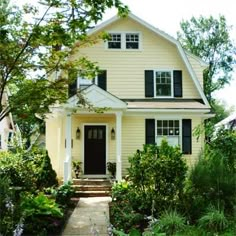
(165, 123)
(159, 123)
(165, 131)
(159, 131)
(171, 123)
(176, 123)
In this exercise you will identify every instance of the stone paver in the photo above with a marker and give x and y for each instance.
(90, 214)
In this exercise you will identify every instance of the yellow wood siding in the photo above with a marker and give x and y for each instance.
(125, 69)
(55, 143)
(198, 69)
(133, 138)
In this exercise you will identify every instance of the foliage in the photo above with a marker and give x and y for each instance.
(32, 51)
(45, 175)
(158, 174)
(214, 220)
(209, 39)
(225, 145)
(39, 205)
(170, 222)
(77, 167)
(156, 181)
(41, 214)
(9, 207)
(210, 182)
(19, 170)
(64, 193)
(111, 167)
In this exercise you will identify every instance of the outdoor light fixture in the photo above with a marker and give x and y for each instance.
(113, 134)
(77, 134)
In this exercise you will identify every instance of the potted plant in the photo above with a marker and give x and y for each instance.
(111, 167)
(77, 167)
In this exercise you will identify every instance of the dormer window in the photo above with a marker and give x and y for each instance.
(124, 41)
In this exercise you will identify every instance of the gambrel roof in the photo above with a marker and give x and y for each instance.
(168, 38)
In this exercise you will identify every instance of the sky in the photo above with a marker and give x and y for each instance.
(167, 15)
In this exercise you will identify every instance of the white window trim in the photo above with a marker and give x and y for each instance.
(123, 41)
(180, 128)
(172, 82)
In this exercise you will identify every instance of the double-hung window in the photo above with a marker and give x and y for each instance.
(168, 129)
(114, 41)
(125, 41)
(163, 83)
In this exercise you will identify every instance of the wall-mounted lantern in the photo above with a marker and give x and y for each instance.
(77, 134)
(113, 134)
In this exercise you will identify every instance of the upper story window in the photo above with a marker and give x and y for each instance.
(81, 83)
(114, 41)
(125, 41)
(132, 41)
(163, 84)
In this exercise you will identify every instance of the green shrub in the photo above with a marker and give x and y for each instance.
(64, 193)
(45, 175)
(210, 182)
(214, 220)
(158, 173)
(18, 170)
(170, 222)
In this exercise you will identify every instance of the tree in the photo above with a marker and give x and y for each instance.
(209, 39)
(31, 52)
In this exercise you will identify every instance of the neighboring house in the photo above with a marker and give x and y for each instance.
(7, 128)
(228, 123)
(154, 89)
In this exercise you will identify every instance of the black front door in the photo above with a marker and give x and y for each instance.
(95, 150)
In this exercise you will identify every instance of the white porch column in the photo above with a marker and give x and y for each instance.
(67, 162)
(118, 146)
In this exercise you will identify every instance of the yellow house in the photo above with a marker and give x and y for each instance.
(153, 89)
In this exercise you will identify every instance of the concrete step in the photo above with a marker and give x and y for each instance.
(92, 187)
(92, 193)
(92, 182)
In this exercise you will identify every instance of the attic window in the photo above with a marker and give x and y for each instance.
(132, 41)
(124, 41)
(114, 41)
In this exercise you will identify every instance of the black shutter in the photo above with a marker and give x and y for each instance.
(187, 136)
(72, 86)
(149, 83)
(150, 131)
(178, 83)
(102, 79)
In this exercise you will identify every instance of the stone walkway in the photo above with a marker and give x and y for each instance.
(91, 215)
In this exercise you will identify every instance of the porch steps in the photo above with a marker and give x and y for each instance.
(92, 187)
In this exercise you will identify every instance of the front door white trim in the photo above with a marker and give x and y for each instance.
(83, 140)
(67, 162)
(118, 146)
